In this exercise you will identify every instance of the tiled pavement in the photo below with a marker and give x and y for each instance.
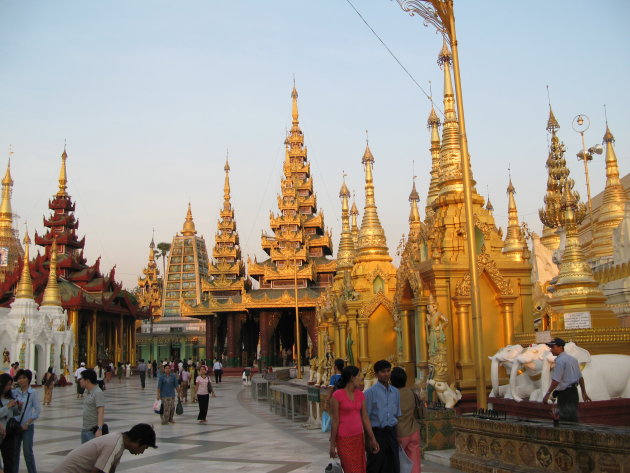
(241, 434)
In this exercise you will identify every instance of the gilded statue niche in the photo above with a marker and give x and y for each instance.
(486, 264)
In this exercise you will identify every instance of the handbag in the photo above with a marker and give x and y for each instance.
(418, 411)
(104, 429)
(157, 406)
(179, 410)
(326, 422)
(406, 465)
(334, 467)
(14, 427)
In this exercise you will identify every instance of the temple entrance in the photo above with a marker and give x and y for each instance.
(283, 349)
(248, 341)
(39, 364)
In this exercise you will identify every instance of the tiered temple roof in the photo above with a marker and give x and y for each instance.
(298, 229)
(226, 270)
(150, 285)
(81, 286)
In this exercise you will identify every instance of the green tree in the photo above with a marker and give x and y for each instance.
(163, 249)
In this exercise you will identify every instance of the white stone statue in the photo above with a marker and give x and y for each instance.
(621, 239)
(531, 360)
(505, 357)
(605, 376)
(447, 395)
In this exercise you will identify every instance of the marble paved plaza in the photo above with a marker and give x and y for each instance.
(241, 434)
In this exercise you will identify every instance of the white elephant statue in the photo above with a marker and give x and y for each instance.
(505, 357)
(605, 376)
(531, 361)
(447, 395)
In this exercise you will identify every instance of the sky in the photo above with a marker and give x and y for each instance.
(150, 96)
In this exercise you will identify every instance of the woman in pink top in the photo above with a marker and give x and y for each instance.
(349, 421)
(204, 388)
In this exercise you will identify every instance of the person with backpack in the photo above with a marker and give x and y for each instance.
(48, 381)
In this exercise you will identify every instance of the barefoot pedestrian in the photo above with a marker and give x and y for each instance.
(167, 386)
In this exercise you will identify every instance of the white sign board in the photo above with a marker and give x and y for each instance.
(577, 320)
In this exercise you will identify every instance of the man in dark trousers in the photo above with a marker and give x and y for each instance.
(383, 406)
(565, 378)
(142, 370)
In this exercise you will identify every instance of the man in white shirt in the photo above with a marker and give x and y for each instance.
(77, 377)
(103, 454)
(218, 370)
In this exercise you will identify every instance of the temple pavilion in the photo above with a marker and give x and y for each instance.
(244, 322)
(101, 315)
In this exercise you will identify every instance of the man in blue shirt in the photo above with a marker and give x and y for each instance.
(28, 400)
(383, 407)
(564, 381)
(168, 384)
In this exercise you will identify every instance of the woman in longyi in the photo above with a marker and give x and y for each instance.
(349, 422)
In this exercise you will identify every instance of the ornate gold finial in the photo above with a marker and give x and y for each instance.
(433, 124)
(347, 251)
(63, 178)
(372, 241)
(226, 184)
(152, 247)
(552, 123)
(354, 215)
(612, 209)
(515, 246)
(294, 110)
(6, 211)
(414, 213)
(25, 286)
(52, 297)
(489, 206)
(189, 225)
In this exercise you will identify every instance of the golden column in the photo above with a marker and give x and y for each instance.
(92, 355)
(440, 14)
(364, 356)
(421, 327)
(343, 336)
(297, 317)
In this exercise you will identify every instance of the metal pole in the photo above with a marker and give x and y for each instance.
(585, 156)
(297, 317)
(480, 378)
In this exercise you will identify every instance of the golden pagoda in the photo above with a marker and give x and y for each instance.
(52, 296)
(24, 288)
(434, 267)
(612, 210)
(357, 315)
(298, 269)
(515, 245)
(576, 291)
(227, 271)
(10, 248)
(150, 285)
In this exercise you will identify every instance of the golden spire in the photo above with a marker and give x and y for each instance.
(51, 293)
(63, 178)
(25, 286)
(612, 210)
(189, 225)
(354, 214)
(450, 173)
(226, 185)
(294, 109)
(575, 288)
(515, 246)
(6, 212)
(372, 241)
(152, 249)
(346, 252)
(433, 123)
(414, 214)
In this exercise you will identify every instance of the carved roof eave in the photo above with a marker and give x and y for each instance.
(486, 264)
(368, 308)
